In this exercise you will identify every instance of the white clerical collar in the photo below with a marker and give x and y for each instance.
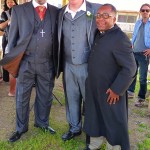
(35, 4)
(102, 32)
(82, 7)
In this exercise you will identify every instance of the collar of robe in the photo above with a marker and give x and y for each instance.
(102, 33)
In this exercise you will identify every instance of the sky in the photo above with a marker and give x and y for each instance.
(132, 5)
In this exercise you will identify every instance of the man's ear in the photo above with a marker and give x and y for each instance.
(114, 19)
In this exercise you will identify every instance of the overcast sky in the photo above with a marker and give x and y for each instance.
(124, 4)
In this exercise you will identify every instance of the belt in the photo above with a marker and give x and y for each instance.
(37, 60)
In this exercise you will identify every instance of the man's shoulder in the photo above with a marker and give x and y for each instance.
(20, 6)
(52, 7)
(94, 5)
(116, 32)
(63, 8)
(139, 21)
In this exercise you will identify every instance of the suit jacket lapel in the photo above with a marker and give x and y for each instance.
(89, 19)
(60, 22)
(52, 19)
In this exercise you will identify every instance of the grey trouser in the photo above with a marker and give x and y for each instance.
(42, 75)
(74, 85)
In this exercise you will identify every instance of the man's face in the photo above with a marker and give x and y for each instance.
(41, 2)
(105, 19)
(145, 12)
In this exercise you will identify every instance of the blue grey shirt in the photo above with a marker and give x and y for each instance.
(139, 45)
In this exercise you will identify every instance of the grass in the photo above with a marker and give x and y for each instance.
(140, 112)
(144, 145)
(143, 128)
(35, 139)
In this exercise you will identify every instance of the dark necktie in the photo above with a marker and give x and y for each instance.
(41, 11)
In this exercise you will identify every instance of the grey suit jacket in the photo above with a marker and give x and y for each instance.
(91, 30)
(21, 29)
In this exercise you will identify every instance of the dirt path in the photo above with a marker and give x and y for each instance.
(7, 113)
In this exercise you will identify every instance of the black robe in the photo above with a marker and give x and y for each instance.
(111, 65)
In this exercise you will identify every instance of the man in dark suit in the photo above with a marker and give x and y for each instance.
(111, 69)
(32, 37)
(76, 30)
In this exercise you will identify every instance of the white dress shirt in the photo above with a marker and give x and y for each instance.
(83, 7)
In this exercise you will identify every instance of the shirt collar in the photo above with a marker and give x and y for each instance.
(82, 7)
(142, 20)
(35, 4)
(102, 32)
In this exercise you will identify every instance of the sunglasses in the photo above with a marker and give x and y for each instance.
(104, 16)
(145, 10)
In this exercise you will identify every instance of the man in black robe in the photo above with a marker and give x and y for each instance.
(111, 69)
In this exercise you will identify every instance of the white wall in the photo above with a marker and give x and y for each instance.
(57, 3)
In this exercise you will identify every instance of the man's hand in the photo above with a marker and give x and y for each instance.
(113, 97)
(147, 52)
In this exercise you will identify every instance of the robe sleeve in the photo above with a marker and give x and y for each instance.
(123, 55)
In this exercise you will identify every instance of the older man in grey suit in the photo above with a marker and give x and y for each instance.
(32, 40)
(76, 30)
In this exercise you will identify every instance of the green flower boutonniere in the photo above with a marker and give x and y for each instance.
(89, 14)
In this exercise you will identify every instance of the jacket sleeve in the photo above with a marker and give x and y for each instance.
(127, 66)
(13, 31)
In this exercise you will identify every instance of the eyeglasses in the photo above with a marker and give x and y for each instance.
(145, 10)
(104, 16)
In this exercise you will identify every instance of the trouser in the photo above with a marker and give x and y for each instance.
(95, 143)
(142, 63)
(43, 77)
(74, 85)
